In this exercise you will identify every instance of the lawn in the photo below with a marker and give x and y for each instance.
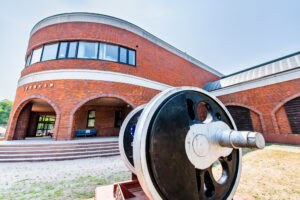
(75, 179)
(272, 173)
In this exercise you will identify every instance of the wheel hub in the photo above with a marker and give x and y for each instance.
(201, 145)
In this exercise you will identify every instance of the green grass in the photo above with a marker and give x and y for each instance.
(82, 187)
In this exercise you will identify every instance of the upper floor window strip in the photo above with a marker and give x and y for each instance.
(82, 50)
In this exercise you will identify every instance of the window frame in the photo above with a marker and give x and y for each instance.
(134, 57)
(89, 118)
(57, 50)
(27, 62)
(42, 49)
(76, 52)
(97, 43)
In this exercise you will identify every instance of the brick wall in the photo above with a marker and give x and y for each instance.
(104, 122)
(267, 102)
(152, 61)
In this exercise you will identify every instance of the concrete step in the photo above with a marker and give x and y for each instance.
(48, 147)
(59, 144)
(57, 158)
(46, 151)
(60, 154)
(55, 151)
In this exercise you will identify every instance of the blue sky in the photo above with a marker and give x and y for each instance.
(227, 35)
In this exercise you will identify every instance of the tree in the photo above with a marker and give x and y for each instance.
(5, 108)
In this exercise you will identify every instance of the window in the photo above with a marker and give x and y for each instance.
(72, 50)
(108, 52)
(292, 109)
(87, 50)
(49, 52)
(36, 55)
(45, 125)
(118, 118)
(28, 60)
(63, 50)
(123, 55)
(91, 119)
(82, 50)
(131, 57)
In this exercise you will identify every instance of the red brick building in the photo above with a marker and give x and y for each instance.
(265, 98)
(87, 71)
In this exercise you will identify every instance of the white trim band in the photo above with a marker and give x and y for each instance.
(276, 78)
(86, 74)
(113, 21)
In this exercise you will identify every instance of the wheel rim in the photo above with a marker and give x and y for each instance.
(155, 166)
(126, 139)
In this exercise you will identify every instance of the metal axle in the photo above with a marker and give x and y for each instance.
(241, 139)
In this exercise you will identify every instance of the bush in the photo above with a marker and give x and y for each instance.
(5, 108)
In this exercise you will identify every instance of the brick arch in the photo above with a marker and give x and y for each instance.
(73, 111)
(277, 107)
(261, 118)
(15, 115)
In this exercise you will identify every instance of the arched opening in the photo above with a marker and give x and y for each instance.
(36, 119)
(292, 109)
(102, 116)
(242, 117)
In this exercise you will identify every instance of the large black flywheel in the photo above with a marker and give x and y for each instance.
(163, 168)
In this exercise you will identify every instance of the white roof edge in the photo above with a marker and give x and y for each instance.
(113, 21)
(260, 82)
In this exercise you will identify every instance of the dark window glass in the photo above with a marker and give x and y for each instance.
(28, 60)
(72, 50)
(131, 57)
(87, 50)
(123, 55)
(118, 118)
(108, 52)
(63, 50)
(91, 119)
(49, 52)
(36, 55)
(292, 109)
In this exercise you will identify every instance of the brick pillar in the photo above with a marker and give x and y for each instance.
(33, 121)
(63, 128)
(22, 123)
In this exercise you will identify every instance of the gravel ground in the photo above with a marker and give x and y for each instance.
(76, 179)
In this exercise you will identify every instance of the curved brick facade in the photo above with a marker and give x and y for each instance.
(67, 97)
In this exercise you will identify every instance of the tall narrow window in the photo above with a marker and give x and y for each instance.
(123, 55)
(72, 50)
(50, 52)
(131, 57)
(87, 50)
(28, 60)
(118, 118)
(91, 119)
(108, 52)
(36, 55)
(62, 53)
